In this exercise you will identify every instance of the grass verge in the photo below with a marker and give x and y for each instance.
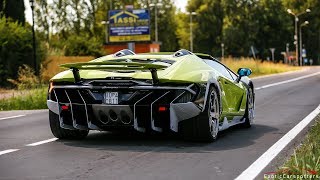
(258, 68)
(51, 66)
(34, 99)
(305, 160)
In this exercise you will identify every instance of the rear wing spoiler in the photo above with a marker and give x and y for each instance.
(75, 67)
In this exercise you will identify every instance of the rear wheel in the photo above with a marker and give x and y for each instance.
(61, 133)
(249, 115)
(204, 127)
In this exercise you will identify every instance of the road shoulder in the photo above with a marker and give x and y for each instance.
(287, 152)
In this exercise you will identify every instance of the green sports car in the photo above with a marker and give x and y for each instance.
(190, 94)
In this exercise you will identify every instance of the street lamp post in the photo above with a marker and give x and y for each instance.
(106, 30)
(34, 40)
(222, 51)
(191, 32)
(156, 6)
(296, 20)
(286, 61)
(300, 32)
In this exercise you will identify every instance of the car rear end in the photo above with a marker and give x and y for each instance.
(119, 103)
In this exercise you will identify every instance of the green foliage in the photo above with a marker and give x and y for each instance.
(182, 31)
(13, 10)
(15, 49)
(311, 33)
(167, 26)
(57, 25)
(241, 24)
(210, 18)
(83, 46)
(306, 159)
(238, 24)
(26, 78)
(33, 99)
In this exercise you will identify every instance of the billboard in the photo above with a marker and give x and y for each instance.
(129, 25)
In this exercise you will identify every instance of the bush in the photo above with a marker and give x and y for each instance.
(15, 49)
(306, 158)
(34, 99)
(51, 66)
(26, 78)
(258, 68)
(83, 46)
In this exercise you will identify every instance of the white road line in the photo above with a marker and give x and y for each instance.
(255, 168)
(8, 151)
(11, 117)
(42, 142)
(287, 81)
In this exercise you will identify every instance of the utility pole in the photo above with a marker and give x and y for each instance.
(34, 40)
(105, 23)
(296, 20)
(156, 6)
(300, 32)
(222, 51)
(191, 31)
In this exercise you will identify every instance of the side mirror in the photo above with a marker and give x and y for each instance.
(243, 72)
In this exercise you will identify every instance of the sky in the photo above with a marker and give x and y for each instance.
(181, 4)
(27, 11)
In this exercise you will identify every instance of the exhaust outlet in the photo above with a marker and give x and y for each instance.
(103, 118)
(125, 118)
(113, 115)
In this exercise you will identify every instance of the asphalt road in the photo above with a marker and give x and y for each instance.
(110, 156)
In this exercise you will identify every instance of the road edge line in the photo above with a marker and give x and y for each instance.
(263, 161)
(8, 151)
(287, 81)
(42, 142)
(11, 117)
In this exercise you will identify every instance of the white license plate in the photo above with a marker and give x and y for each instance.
(111, 97)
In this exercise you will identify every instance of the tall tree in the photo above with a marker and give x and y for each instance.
(275, 28)
(13, 9)
(210, 18)
(311, 33)
(166, 26)
(240, 26)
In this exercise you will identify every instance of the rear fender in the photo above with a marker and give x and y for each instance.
(213, 83)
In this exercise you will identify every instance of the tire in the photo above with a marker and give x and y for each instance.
(249, 114)
(61, 133)
(204, 127)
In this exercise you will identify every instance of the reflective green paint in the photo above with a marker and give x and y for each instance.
(186, 69)
(233, 97)
(109, 65)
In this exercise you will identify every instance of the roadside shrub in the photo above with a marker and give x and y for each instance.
(51, 66)
(306, 158)
(16, 49)
(258, 68)
(26, 78)
(34, 99)
(83, 46)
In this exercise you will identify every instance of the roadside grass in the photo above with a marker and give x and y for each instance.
(306, 158)
(33, 99)
(50, 66)
(258, 68)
